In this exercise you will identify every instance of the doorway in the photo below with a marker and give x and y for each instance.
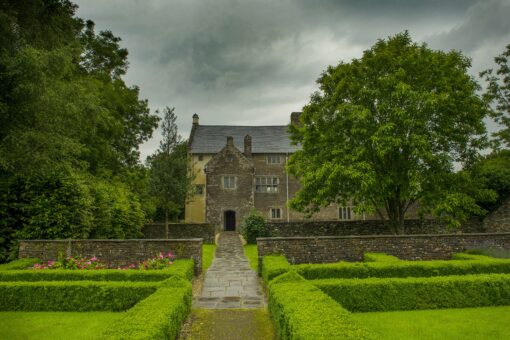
(230, 220)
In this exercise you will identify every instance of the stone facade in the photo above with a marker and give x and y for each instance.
(351, 248)
(499, 219)
(179, 231)
(114, 252)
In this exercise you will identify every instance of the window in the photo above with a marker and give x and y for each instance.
(273, 159)
(229, 182)
(199, 189)
(266, 184)
(276, 213)
(345, 213)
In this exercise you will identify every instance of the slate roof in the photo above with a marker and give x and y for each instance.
(265, 139)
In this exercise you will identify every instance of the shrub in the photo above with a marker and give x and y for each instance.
(159, 316)
(370, 295)
(253, 226)
(180, 268)
(466, 256)
(272, 266)
(19, 264)
(492, 252)
(301, 311)
(73, 296)
(379, 257)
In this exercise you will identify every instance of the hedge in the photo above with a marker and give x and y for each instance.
(19, 264)
(182, 268)
(466, 256)
(273, 266)
(389, 294)
(71, 296)
(301, 311)
(379, 257)
(159, 316)
(402, 268)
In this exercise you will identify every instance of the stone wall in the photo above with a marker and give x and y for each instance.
(368, 227)
(114, 252)
(352, 248)
(179, 231)
(499, 219)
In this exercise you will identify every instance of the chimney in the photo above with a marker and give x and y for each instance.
(247, 146)
(230, 141)
(294, 118)
(195, 119)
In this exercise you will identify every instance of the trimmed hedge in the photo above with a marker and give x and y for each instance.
(19, 264)
(466, 256)
(371, 295)
(379, 257)
(301, 311)
(77, 296)
(274, 265)
(402, 268)
(181, 268)
(159, 316)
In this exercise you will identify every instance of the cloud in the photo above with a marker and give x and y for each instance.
(253, 62)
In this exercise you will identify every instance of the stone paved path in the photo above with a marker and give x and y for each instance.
(230, 282)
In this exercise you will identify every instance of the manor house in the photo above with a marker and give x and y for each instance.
(238, 168)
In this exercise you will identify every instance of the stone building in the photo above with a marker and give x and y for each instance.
(238, 168)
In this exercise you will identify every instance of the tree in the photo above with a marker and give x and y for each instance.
(498, 92)
(385, 130)
(170, 177)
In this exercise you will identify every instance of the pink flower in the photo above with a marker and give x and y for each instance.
(93, 259)
(161, 256)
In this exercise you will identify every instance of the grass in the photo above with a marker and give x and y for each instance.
(54, 325)
(250, 250)
(466, 323)
(207, 255)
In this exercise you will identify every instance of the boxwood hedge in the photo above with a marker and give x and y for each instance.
(182, 268)
(301, 311)
(379, 257)
(159, 316)
(19, 264)
(73, 296)
(272, 266)
(388, 294)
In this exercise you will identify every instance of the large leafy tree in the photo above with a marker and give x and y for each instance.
(498, 92)
(170, 176)
(384, 132)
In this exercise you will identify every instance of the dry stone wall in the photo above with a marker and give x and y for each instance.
(179, 231)
(114, 252)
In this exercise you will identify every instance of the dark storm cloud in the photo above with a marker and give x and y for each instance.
(253, 62)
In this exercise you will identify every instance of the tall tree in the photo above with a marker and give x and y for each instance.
(385, 130)
(170, 176)
(498, 92)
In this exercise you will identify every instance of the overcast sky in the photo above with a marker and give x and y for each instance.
(253, 62)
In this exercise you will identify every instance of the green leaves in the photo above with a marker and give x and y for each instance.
(386, 126)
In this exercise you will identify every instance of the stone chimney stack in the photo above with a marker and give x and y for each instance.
(230, 141)
(247, 146)
(195, 119)
(294, 118)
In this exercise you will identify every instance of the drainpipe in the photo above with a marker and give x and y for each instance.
(287, 179)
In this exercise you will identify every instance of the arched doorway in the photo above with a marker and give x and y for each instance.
(230, 220)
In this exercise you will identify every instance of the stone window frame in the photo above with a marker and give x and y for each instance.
(270, 185)
(275, 209)
(223, 182)
(271, 156)
(345, 213)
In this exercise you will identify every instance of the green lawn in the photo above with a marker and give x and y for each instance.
(207, 255)
(54, 325)
(250, 250)
(466, 323)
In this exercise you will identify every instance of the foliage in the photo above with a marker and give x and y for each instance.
(179, 268)
(170, 176)
(161, 261)
(157, 317)
(301, 311)
(272, 266)
(253, 226)
(498, 92)
(68, 123)
(208, 251)
(251, 252)
(75, 296)
(19, 264)
(386, 129)
(379, 257)
(387, 294)
(491, 252)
